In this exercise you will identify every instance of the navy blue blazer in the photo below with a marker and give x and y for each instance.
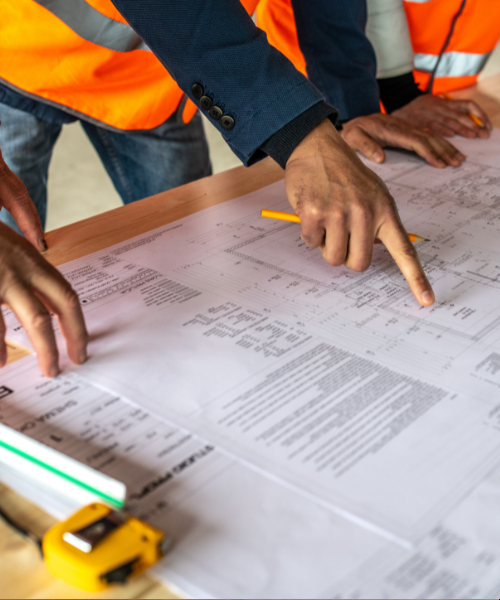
(340, 59)
(215, 44)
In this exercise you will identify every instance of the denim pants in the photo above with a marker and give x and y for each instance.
(139, 164)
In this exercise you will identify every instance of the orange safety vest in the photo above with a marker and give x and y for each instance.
(474, 36)
(83, 57)
(277, 19)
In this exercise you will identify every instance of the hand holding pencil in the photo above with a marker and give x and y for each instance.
(470, 114)
(446, 116)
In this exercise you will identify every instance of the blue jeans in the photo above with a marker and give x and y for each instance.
(139, 164)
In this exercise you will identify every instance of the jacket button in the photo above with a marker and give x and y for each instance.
(206, 102)
(227, 122)
(216, 113)
(197, 90)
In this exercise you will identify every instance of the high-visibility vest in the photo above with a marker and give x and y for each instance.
(83, 57)
(475, 34)
(250, 5)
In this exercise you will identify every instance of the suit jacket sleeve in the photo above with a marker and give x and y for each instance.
(339, 57)
(215, 43)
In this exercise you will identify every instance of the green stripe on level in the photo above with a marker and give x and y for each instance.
(85, 486)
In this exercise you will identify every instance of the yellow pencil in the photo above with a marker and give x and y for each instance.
(475, 119)
(283, 216)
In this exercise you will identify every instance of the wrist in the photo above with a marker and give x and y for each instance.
(283, 143)
(319, 141)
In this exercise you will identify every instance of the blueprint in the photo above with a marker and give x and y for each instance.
(235, 532)
(335, 384)
(459, 558)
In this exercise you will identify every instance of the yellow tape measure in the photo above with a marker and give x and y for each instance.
(98, 546)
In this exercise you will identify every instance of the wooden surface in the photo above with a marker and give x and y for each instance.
(22, 573)
(106, 229)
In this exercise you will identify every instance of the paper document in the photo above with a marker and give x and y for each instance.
(337, 384)
(236, 533)
(459, 558)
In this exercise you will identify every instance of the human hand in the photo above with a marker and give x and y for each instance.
(344, 207)
(445, 117)
(33, 289)
(370, 134)
(15, 198)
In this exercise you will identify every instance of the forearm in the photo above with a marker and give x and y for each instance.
(396, 92)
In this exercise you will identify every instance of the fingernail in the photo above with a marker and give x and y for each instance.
(378, 156)
(82, 357)
(427, 298)
(53, 372)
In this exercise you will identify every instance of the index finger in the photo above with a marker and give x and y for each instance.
(36, 320)
(395, 239)
(58, 295)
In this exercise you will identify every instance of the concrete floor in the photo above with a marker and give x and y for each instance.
(79, 186)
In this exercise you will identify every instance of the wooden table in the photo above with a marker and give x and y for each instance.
(22, 573)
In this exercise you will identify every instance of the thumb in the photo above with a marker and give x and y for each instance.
(15, 198)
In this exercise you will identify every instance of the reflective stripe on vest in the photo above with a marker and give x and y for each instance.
(87, 63)
(452, 64)
(475, 34)
(93, 26)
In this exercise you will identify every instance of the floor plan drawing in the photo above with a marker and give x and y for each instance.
(335, 383)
